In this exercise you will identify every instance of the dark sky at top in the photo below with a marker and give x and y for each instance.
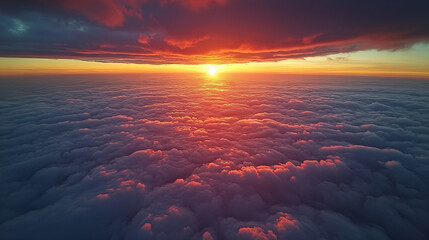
(206, 31)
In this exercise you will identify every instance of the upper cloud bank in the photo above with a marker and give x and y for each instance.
(206, 31)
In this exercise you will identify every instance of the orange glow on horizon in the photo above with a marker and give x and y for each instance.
(403, 63)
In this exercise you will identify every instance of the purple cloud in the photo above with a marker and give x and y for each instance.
(144, 157)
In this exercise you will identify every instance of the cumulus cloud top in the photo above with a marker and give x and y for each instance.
(206, 31)
(168, 158)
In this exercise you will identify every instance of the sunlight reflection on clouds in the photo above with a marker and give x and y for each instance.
(165, 158)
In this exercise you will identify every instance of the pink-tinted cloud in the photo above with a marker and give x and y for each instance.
(195, 4)
(257, 233)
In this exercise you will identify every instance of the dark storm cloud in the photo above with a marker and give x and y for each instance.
(188, 31)
(188, 159)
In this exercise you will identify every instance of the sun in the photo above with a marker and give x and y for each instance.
(212, 71)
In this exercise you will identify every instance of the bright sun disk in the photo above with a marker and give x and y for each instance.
(212, 71)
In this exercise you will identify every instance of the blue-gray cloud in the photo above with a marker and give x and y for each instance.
(156, 157)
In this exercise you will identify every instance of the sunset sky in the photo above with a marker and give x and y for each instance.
(214, 119)
(387, 38)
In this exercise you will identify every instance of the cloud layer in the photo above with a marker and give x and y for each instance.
(206, 31)
(156, 157)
